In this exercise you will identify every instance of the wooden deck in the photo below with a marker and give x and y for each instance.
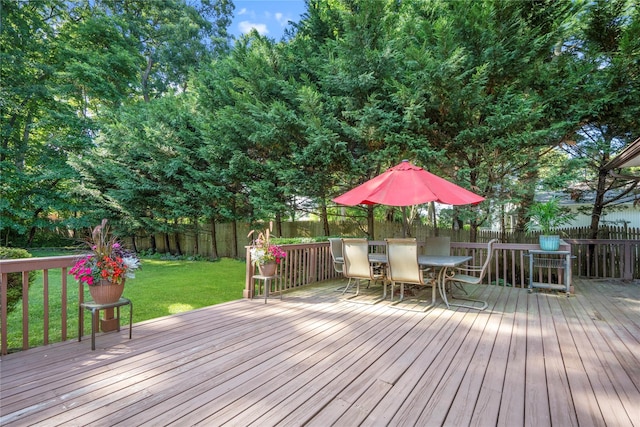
(313, 359)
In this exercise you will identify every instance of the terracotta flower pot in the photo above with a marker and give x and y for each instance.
(106, 292)
(268, 269)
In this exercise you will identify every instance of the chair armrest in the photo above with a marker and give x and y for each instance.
(468, 269)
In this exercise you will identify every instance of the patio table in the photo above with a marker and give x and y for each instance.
(442, 263)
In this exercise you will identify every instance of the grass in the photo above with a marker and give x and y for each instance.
(161, 287)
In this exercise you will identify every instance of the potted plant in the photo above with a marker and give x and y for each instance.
(265, 254)
(106, 267)
(546, 217)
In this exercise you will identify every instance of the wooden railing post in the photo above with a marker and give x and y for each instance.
(627, 273)
(4, 278)
(248, 282)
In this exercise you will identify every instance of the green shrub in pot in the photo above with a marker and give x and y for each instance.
(547, 217)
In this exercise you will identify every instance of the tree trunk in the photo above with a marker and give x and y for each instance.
(279, 224)
(214, 243)
(598, 204)
(525, 204)
(234, 246)
(167, 244)
(325, 219)
(196, 232)
(473, 231)
(434, 218)
(145, 79)
(32, 231)
(370, 230)
(176, 236)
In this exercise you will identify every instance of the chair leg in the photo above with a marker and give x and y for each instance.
(346, 288)
(430, 304)
(459, 286)
(443, 294)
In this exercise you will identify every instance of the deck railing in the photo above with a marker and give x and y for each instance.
(304, 264)
(603, 258)
(311, 263)
(24, 266)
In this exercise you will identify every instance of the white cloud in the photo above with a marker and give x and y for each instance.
(246, 26)
(242, 11)
(280, 18)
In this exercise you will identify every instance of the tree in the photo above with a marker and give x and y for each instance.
(47, 81)
(64, 66)
(608, 106)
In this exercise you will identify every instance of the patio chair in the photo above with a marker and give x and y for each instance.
(469, 274)
(356, 263)
(403, 266)
(436, 246)
(335, 244)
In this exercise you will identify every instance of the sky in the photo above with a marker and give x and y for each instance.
(269, 18)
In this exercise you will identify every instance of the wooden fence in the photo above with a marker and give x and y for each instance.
(192, 243)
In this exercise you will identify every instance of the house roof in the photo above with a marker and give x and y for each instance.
(628, 157)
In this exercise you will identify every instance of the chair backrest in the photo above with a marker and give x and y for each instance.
(485, 265)
(335, 245)
(402, 261)
(356, 258)
(438, 246)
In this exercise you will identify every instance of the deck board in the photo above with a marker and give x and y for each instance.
(562, 411)
(315, 358)
(487, 405)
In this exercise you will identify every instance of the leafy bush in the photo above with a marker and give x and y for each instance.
(296, 240)
(14, 283)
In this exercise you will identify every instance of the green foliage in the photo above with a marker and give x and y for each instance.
(65, 68)
(186, 127)
(296, 240)
(547, 216)
(14, 281)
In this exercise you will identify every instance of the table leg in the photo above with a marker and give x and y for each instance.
(94, 324)
(433, 293)
(80, 323)
(266, 290)
(442, 274)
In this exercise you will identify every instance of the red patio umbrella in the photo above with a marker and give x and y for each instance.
(406, 185)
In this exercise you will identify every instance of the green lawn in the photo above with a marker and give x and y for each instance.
(161, 287)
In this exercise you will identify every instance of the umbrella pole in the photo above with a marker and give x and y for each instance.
(405, 222)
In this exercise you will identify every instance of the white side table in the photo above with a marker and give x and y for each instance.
(266, 281)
